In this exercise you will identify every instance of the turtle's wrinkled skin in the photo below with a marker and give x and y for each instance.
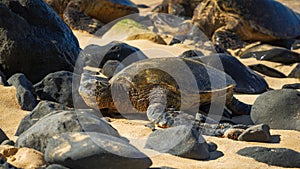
(231, 22)
(89, 15)
(178, 7)
(154, 85)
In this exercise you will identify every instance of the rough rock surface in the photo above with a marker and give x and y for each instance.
(35, 40)
(258, 133)
(278, 108)
(181, 141)
(282, 157)
(38, 135)
(25, 93)
(57, 87)
(90, 150)
(41, 110)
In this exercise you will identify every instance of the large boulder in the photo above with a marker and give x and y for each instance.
(34, 40)
(90, 150)
(38, 135)
(246, 80)
(278, 108)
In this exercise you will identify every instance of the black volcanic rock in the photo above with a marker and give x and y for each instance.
(34, 40)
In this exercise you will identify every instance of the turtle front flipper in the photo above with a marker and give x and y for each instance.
(238, 108)
(78, 20)
(227, 39)
(156, 111)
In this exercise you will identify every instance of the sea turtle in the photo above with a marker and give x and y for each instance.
(154, 85)
(183, 8)
(90, 15)
(230, 23)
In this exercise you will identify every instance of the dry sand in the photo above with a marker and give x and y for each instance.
(11, 115)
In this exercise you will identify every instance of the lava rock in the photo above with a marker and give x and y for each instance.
(25, 93)
(41, 110)
(272, 53)
(282, 157)
(263, 69)
(38, 135)
(88, 150)
(291, 86)
(246, 80)
(257, 133)
(181, 141)
(35, 40)
(278, 108)
(130, 29)
(97, 56)
(3, 136)
(57, 87)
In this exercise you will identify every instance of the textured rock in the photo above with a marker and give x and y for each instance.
(282, 157)
(42, 109)
(257, 133)
(97, 56)
(272, 53)
(278, 108)
(35, 40)
(38, 135)
(91, 150)
(25, 93)
(181, 141)
(129, 29)
(246, 80)
(3, 136)
(58, 87)
(22, 157)
(291, 86)
(268, 71)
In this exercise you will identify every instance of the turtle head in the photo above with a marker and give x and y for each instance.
(95, 91)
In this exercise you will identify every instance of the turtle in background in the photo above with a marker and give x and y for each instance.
(184, 8)
(90, 15)
(232, 23)
(158, 88)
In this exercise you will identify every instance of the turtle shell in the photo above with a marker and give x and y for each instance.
(186, 82)
(266, 16)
